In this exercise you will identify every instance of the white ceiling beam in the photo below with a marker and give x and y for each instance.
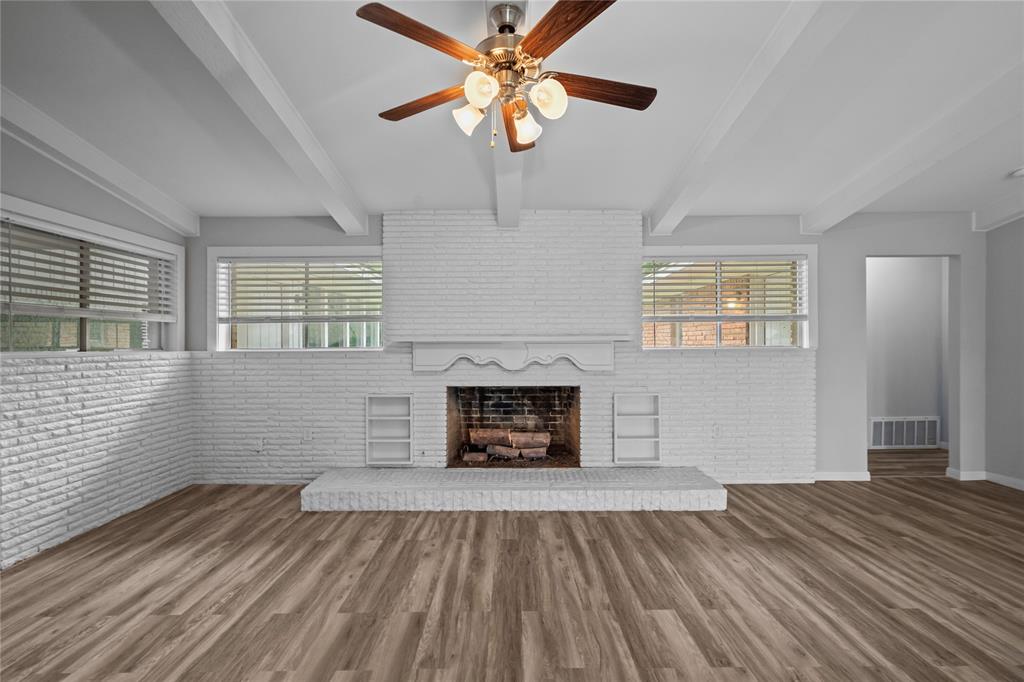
(796, 41)
(1000, 211)
(973, 115)
(508, 185)
(508, 167)
(210, 31)
(48, 137)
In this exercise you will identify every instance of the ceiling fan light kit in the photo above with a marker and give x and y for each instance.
(507, 69)
(527, 128)
(550, 98)
(481, 88)
(468, 118)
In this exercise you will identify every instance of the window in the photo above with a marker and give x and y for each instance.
(299, 303)
(59, 293)
(725, 302)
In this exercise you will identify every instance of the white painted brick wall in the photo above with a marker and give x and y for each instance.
(87, 438)
(559, 272)
(761, 400)
(454, 273)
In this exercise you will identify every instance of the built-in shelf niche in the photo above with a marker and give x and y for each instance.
(389, 430)
(637, 428)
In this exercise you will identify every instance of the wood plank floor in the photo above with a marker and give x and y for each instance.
(904, 463)
(904, 579)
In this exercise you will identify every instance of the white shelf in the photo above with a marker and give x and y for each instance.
(637, 428)
(637, 404)
(389, 406)
(389, 430)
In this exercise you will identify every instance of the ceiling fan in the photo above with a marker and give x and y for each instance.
(507, 69)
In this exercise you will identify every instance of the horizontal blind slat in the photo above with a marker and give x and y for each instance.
(50, 274)
(310, 290)
(723, 289)
(92, 313)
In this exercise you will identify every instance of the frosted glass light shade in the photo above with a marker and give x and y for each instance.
(468, 118)
(550, 98)
(480, 89)
(527, 129)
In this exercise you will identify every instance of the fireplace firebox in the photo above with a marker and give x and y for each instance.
(513, 426)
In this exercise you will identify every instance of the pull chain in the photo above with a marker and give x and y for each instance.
(494, 124)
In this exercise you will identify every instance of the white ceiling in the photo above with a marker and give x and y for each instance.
(595, 157)
(115, 74)
(892, 69)
(974, 176)
(119, 77)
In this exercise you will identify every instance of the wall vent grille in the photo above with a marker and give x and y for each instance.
(903, 432)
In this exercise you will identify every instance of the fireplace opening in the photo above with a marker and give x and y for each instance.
(513, 426)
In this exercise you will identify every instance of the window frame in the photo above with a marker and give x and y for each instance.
(38, 216)
(808, 252)
(215, 253)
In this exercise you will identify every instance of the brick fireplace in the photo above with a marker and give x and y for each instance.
(513, 426)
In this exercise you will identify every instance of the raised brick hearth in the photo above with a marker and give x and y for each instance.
(580, 489)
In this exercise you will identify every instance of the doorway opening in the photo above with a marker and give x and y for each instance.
(908, 359)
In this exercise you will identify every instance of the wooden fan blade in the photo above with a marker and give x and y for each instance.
(388, 18)
(422, 104)
(508, 112)
(561, 22)
(608, 92)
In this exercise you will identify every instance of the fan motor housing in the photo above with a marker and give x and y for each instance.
(506, 64)
(500, 49)
(506, 17)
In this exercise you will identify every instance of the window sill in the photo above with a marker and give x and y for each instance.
(297, 350)
(84, 354)
(729, 349)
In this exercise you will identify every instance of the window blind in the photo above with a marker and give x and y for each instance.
(252, 291)
(49, 274)
(726, 289)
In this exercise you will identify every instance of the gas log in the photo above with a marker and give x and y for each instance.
(530, 439)
(484, 437)
(502, 451)
(534, 453)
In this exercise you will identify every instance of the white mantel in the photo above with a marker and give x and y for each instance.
(589, 353)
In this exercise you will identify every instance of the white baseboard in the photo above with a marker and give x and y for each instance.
(761, 481)
(965, 475)
(842, 476)
(1008, 481)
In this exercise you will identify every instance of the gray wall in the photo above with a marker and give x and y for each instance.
(944, 396)
(295, 231)
(904, 324)
(842, 357)
(842, 321)
(29, 175)
(842, 293)
(1005, 341)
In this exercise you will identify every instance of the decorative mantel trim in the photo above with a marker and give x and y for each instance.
(589, 353)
